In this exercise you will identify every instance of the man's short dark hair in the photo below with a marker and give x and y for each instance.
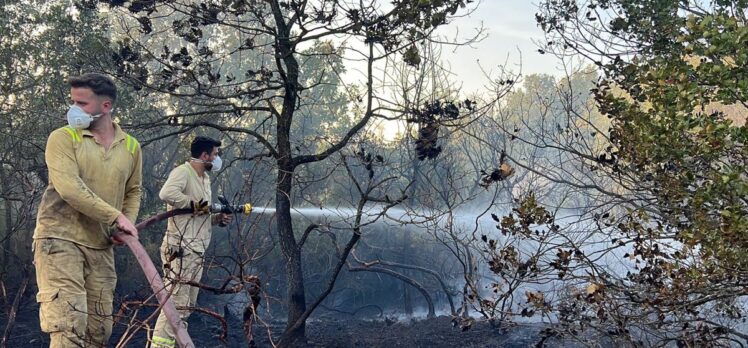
(101, 85)
(203, 144)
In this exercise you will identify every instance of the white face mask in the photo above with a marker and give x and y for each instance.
(217, 164)
(79, 119)
(214, 166)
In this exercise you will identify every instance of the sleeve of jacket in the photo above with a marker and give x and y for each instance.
(173, 191)
(133, 189)
(63, 174)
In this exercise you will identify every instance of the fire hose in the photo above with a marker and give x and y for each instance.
(149, 269)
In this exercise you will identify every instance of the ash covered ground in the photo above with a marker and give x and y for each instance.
(322, 331)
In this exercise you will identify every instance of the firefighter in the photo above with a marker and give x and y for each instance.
(187, 236)
(94, 187)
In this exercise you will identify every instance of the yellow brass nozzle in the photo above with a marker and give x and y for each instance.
(247, 208)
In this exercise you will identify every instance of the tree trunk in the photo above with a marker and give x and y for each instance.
(285, 61)
(7, 221)
(294, 273)
(13, 311)
(8, 235)
(295, 295)
(407, 237)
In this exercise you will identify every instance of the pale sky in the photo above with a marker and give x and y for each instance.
(511, 29)
(509, 36)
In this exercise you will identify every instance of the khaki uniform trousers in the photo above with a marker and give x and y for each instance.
(76, 289)
(180, 265)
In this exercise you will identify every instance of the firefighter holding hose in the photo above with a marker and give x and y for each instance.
(94, 187)
(187, 236)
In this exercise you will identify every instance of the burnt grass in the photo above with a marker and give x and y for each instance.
(324, 331)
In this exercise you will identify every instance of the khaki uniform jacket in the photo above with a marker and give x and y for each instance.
(182, 187)
(88, 186)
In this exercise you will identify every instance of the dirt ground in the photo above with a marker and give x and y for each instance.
(327, 333)
(354, 333)
(436, 332)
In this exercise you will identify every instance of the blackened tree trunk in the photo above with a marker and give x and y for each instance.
(289, 70)
(294, 273)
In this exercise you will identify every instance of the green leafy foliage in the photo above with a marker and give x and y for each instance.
(674, 87)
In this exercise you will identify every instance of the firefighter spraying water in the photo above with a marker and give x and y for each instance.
(187, 236)
(168, 308)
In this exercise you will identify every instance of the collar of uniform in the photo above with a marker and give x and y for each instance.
(192, 171)
(119, 134)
